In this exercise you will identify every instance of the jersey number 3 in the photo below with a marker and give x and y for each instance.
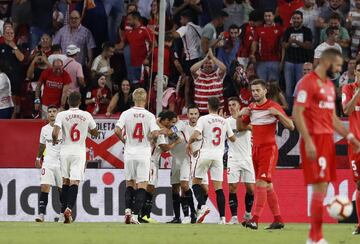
(217, 134)
(138, 132)
(74, 133)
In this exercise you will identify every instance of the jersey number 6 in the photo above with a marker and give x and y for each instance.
(74, 133)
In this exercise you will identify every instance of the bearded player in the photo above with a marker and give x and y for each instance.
(263, 115)
(351, 107)
(316, 119)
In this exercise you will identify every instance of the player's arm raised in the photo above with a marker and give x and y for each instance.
(349, 106)
(340, 128)
(285, 120)
(194, 69)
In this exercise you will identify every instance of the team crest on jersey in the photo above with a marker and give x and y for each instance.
(322, 91)
(301, 97)
(343, 97)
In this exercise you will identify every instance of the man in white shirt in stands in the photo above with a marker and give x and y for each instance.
(139, 126)
(75, 125)
(331, 42)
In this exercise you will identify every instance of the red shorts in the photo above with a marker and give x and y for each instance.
(354, 159)
(323, 169)
(265, 158)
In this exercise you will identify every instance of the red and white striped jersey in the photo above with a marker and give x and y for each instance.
(208, 85)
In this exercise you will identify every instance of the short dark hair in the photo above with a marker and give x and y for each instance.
(74, 99)
(335, 16)
(233, 26)
(256, 15)
(167, 114)
(220, 14)
(258, 82)
(107, 45)
(169, 38)
(56, 48)
(193, 106)
(186, 14)
(235, 99)
(331, 30)
(298, 12)
(268, 10)
(214, 103)
(51, 106)
(136, 15)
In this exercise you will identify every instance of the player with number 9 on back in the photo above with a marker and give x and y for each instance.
(75, 125)
(135, 128)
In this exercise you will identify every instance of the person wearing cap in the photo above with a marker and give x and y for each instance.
(74, 69)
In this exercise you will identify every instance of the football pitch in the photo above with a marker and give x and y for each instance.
(103, 233)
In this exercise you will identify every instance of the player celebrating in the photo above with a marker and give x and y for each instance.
(138, 125)
(214, 130)
(74, 124)
(351, 107)
(263, 115)
(315, 118)
(50, 168)
(240, 165)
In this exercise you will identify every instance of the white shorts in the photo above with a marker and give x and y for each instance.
(73, 166)
(51, 175)
(215, 166)
(154, 171)
(137, 169)
(205, 180)
(240, 171)
(180, 170)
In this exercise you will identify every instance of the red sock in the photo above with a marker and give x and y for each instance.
(316, 211)
(358, 206)
(273, 203)
(260, 200)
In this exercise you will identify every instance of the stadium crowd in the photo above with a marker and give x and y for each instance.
(107, 48)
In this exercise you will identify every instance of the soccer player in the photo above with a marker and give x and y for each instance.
(316, 120)
(263, 115)
(214, 130)
(351, 107)
(50, 168)
(239, 165)
(134, 128)
(75, 125)
(165, 121)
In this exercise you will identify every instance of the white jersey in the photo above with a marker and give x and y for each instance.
(191, 38)
(137, 123)
(240, 149)
(179, 150)
(156, 153)
(74, 124)
(214, 130)
(52, 153)
(188, 131)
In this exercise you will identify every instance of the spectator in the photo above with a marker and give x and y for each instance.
(6, 102)
(101, 64)
(56, 83)
(153, 23)
(331, 42)
(227, 53)
(267, 58)
(2, 32)
(74, 69)
(307, 68)
(138, 39)
(208, 81)
(285, 10)
(327, 10)
(43, 47)
(190, 35)
(12, 56)
(114, 11)
(238, 12)
(41, 14)
(194, 7)
(56, 54)
(208, 37)
(144, 7)
(247, 31)
(348, 76)
(344, 38)
(124, 26)
(310, 15)
(274, 93)
(122, 100)
(169, 58)
(78, 35)
(98, 97)
(297, 45)
(168, 98)
(38, 64)
(353, 25)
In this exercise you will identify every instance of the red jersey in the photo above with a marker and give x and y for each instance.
(263, 123)
(286, 9)
(139, 40)
(167, 60)
(97, 107)
(348, 92)
(318, 98)
(53, 86)
(269, 41)
(246, 38)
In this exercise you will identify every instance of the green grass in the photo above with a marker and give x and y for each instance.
(103, 233)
